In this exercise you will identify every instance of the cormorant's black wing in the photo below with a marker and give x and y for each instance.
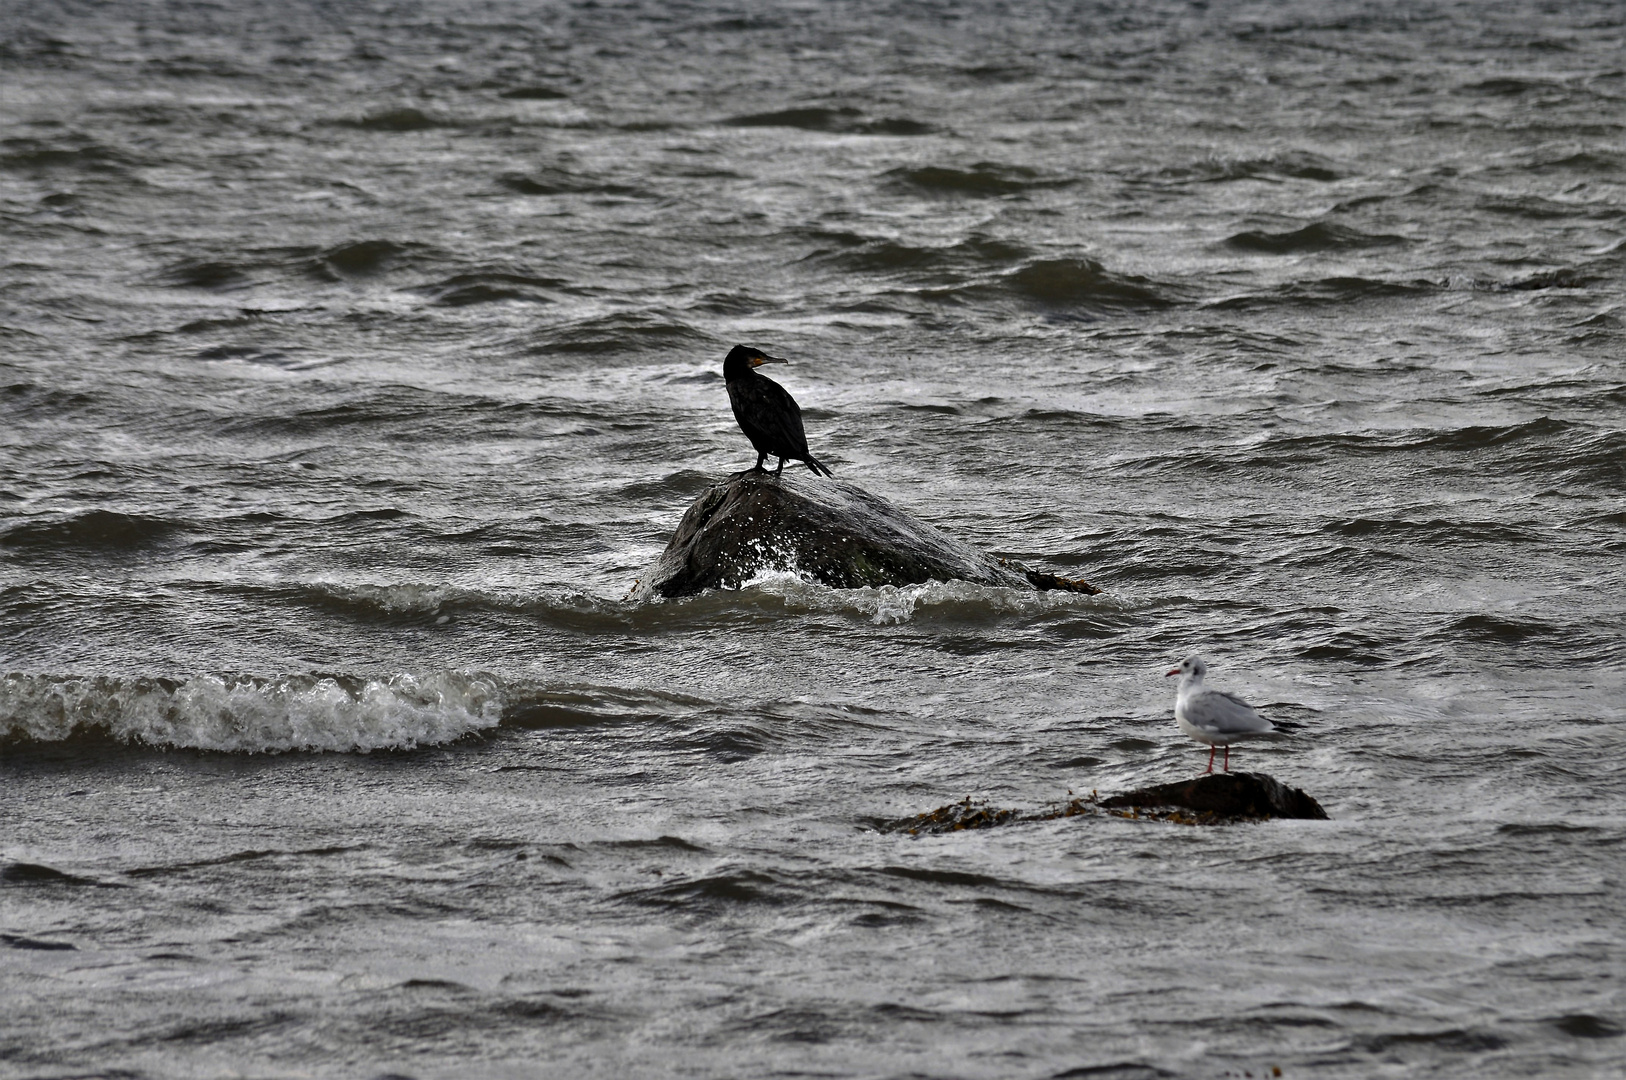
(769, 416)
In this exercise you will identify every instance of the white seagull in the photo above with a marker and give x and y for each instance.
(1214, 717)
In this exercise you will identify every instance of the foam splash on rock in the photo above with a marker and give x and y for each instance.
(896, 604)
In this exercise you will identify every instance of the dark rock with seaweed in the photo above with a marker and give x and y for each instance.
(1219, 799)
(1236, 796)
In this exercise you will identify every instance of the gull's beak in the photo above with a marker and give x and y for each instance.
(758, 361)
(1166, 674)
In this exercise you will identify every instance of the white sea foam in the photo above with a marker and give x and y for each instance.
(901, 603)
(245, 714)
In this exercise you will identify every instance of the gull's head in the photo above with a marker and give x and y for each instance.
(746, 356)
(1191, 667)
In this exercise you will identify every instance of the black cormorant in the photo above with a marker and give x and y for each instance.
(767, 413)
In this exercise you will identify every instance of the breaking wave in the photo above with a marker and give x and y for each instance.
(249, 714)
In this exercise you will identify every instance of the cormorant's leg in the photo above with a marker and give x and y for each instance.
(760, 459)
(780, 467)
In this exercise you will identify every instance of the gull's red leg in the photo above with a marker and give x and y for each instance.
(1227, 757)
(1210, 759)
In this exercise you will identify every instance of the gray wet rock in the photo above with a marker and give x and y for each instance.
(832, 531)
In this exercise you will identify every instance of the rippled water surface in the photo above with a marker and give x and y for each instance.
(357, 359)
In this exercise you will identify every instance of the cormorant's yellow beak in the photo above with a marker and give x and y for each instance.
(758, 361)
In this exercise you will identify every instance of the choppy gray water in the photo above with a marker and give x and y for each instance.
(357, 358)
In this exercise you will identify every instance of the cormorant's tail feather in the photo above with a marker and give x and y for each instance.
(817, 466)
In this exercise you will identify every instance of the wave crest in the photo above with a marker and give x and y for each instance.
(248, 714)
